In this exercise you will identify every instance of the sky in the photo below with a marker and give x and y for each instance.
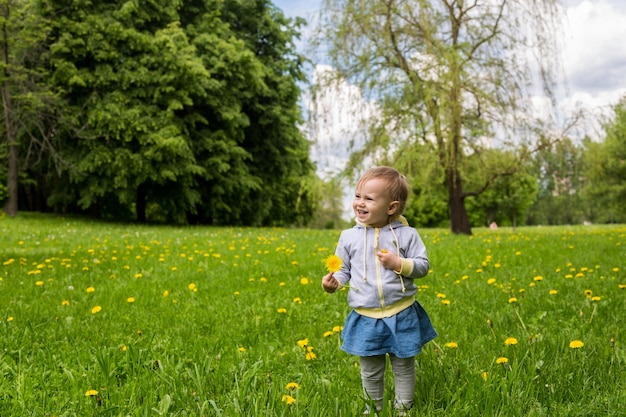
(594, 56)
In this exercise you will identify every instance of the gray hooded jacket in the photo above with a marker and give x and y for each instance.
(371, 286)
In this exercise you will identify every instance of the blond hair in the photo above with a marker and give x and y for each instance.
(398, 186)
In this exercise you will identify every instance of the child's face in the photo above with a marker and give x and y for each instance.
(372, 204)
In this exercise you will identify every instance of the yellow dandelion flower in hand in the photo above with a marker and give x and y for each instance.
(333, 263)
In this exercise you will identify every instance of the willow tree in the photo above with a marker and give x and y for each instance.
(458, 76)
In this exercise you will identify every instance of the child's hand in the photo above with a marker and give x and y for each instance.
(329, 283)
(389, 260)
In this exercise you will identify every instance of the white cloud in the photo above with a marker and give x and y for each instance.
(595, 53)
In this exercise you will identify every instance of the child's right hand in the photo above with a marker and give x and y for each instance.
(329, 283)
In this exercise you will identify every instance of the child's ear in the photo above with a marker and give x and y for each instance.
(393, 208)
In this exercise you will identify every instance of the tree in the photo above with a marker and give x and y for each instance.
(559, 171)
(278, 152)
(457, 74)
(508, 198)
(29, 105)
(125, 71)
(182, 111)
(605, 169)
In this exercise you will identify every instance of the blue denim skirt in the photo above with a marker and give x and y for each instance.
(404, 334)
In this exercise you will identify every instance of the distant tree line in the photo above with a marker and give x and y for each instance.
(564, 182)
(179, 111)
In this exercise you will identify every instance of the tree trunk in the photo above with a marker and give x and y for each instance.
(11, 205)
(459, 221)
(140, 203)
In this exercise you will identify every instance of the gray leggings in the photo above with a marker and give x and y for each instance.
(373, 379)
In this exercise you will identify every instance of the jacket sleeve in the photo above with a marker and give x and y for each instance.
(415, 263)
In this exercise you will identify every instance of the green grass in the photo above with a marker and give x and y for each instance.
(215, 317)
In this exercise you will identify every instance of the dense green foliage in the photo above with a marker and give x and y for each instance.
(107, 319)
(183, 111)
(605, 170)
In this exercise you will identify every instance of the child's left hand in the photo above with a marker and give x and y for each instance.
(389, 260)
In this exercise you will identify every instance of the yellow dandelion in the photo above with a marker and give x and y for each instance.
(310, 355)
(282, 310)
(65, 303)
(288, 399)
(538, 278)
(502, 360)
(96, 309)
(303, 342)
(512, 300)
(131, 299)
(328, 334)
(596, 298)
(10, 318)
(292, 386)
(166, 293)
(191, 286)
(553, 292)
(337, 329)
(39, 283)
(576, 344)
(333, 263)
(297, 300)
(441, 295)
(484, 375)
(510, 341)
(491, 281)
(91, 393)
(304, 281)
(452, 345)
(445, 302)
(90, 289)
(242, 349)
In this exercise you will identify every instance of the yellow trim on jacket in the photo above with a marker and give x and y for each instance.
(388, 311)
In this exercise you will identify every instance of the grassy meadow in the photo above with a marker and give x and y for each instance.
(106, 319)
